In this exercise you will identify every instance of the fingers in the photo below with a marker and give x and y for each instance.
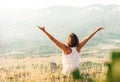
(41, 27)
(38, 26)
(100, 28)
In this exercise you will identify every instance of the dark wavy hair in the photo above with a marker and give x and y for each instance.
(72, 40)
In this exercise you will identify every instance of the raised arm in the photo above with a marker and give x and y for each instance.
(59, 44)
(83, 42)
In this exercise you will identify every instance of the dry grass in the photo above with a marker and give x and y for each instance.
(38, 70)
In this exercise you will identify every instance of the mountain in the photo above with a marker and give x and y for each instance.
(86, 17)
(18, 28)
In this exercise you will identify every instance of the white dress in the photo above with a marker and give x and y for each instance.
(70, 61)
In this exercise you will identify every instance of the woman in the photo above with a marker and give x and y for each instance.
(71, 49)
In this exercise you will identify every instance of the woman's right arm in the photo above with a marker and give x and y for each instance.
(54, 40)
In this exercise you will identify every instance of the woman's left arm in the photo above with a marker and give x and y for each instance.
(82, 43)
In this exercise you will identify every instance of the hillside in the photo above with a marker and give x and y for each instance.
(20, 34)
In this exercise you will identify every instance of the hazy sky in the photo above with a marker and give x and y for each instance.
(35, 4)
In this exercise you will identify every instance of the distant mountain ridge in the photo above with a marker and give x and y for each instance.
(83, 19)
(72, 18)
(60, 21)
(95, 14)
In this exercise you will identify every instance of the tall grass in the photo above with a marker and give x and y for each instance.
(40, 72)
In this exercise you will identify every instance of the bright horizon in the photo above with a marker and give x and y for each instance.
(36, 4)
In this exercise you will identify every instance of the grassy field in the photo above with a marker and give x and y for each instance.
(38, 70)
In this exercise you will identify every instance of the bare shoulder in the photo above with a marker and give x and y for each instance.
(78, 48)
(67, 50)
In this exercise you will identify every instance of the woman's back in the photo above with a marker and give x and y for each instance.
(70, 61)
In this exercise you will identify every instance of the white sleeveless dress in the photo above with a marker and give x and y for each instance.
(70, 61)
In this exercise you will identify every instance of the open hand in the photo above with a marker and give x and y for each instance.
(100, 28)
(41, 27)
